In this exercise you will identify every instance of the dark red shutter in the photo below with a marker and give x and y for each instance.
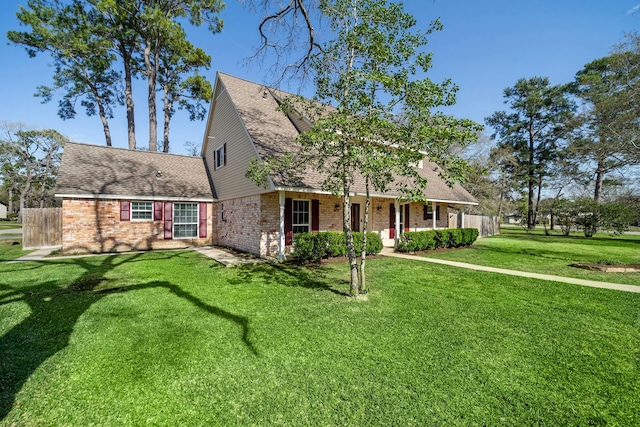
(407, 225)
(157, 211)
(392, 220)
(215, 159)
(168, 220)
(202, 220)
(288, 221)
(315, 216)
(224, 150)
(425, 215)
(125, 210)
(438, 213)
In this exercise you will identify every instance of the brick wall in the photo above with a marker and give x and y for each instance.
(93, 225)
(239, 223)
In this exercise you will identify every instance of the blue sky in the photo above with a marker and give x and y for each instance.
(485, 46)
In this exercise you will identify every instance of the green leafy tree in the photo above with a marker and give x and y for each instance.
(30, 157)
(384, 121)
(534, 128)
(82, 59)
(609, 119)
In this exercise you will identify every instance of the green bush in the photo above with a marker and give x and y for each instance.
(412, 241)
(329, 244)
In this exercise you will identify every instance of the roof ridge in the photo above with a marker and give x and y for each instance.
(127, 149)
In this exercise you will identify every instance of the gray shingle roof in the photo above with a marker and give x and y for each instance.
(106, 171)
(273, 134)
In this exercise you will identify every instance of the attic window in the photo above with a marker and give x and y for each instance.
(221, 156)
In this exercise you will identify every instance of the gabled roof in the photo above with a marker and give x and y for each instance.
(106, 172)
(274, 133)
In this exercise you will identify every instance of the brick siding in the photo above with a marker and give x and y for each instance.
(93, 225)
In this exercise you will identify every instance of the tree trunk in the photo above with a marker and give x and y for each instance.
(351, 252)
(363, 256)
(151, 70)
(10, 207)
(128, 94)
(24, 194)
(531, 223)
(105, 122)
(167, 120)
(597, 193)
(537, 210)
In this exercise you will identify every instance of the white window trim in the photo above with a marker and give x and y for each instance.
(197, 223)
(293, 211)
(219, 157)
(131, 211)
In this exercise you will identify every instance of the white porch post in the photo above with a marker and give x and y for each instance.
(397, 224)
(461, 219)
(281, 256)
(433, 215)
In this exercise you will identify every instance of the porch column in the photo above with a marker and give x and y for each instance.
(461, 219)
(434, 210)
(281, 256)
(397, 226)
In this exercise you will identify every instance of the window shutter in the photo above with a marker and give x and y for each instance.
(288, 222)
(315, 216)
(437, 213)
(202, 220)
(407, 225)
(215, 159)
(125, 210)
(425, 215)
(392, 220)
(157, 211)
(168, 220)
(224, 152)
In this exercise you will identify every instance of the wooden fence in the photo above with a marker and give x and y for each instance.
(486, 225)
(41, 228)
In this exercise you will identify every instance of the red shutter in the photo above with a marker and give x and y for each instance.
(407, 225)
(125, 210)
(202, 220)
(315, 216)
(224, 151)
(392, 220)
(157, 211)
(288, 221)
(215, 159)
(168, 220)
(425, 215)
(438, 213)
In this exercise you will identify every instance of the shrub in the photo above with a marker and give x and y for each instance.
(328, 244)
(412, 241)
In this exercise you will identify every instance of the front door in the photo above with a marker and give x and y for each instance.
(355, 217)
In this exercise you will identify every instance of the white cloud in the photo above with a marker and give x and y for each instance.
(633, 10)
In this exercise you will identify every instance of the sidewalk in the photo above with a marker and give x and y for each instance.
(223, 257)
(581, 282)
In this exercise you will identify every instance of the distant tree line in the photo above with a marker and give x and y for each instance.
(563, 141)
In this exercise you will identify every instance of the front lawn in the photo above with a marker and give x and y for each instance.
(172, 338)
(517, 250)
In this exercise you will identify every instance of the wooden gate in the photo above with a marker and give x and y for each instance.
(41, 228)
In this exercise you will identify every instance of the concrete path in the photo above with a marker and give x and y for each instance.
(582, 282)
(11, 233)
(223, 257)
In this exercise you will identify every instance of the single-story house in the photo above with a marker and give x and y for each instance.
(3, 211)
(117, 199)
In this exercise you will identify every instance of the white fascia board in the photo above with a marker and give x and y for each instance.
(380, 196)
(128, 197)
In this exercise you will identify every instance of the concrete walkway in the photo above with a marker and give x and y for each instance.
(223, 257)
(581, 282)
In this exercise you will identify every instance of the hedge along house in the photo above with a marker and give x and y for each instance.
(244, 124)
(116, 199)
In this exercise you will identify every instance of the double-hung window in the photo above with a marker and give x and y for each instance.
(185, 220)
(141, 210)
(301, 216)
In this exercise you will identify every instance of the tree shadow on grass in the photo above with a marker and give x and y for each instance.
(291, 275)
(54, 313)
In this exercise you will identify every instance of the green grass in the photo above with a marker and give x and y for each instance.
(172, 338)
(517, 250)
(10, 225)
